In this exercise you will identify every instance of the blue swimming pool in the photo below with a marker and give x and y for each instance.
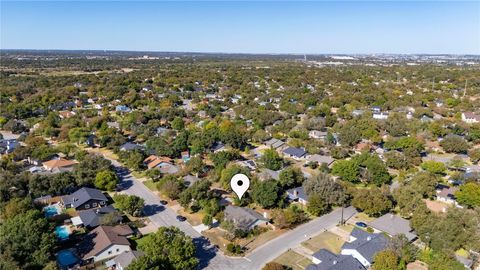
(66, 258)
(50, 211)
(62, 232)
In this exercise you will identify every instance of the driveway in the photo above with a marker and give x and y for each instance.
(209, 256)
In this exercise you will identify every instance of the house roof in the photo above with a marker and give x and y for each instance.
(92, 217)
(82, 196)
(321, 159)
(190, 179)
(266, 174)
(168, 168)
(394, 225)
(471, 115)
(58, 163)
(274, 143)
(367, 244)
(103, 237)
(130, 146)
(294, 151)
(297, 192)
(153, 161)
(242, 216)
(126, 258)
(331, 261)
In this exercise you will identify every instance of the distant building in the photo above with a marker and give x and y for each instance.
(297, 194)
(274, 143)
(393, 225)
(59, 165)
(470, 118)
(295, 153)
(129, 146)
(316, 134)
(84, 198)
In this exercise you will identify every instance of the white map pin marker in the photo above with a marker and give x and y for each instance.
(240, 184)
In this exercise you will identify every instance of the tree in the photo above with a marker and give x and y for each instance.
(454, 144)
(271, 160)
(195, 165)
(169, 248)
(385, 260)
(26, 239)
(291, 177)
(86, 171)
(266, 193)
(229, 172)
(469, 194)
(171, 186)
(130, 204)
(474, 155)
(316, 205)
(374, 201)
(15, 206)
(348, 170)
(330, 191)
(434, 167)
(286, 218)
(106, 180)
(207, 220)
(110, 219)
(178, 123)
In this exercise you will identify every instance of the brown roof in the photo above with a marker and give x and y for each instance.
(58, 163)
(152, 161)
(103, 237)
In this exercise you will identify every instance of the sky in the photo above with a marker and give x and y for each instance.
(314, 27)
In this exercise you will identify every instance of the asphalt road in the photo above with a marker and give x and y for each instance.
(209, 256)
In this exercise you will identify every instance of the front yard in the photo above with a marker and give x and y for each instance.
(293, 260)
(326, 240)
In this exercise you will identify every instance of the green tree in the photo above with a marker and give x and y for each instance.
(266, 193)
(169, 248)
(348, 170)
(130, 204)
(434, 167)
(271, 160)
(330, 192)
(374, 201)
(195, 165)
(454, 144)
(469, 194)
(385, 260)
(474, 155)
(106, 180)
(229, 172)
(316, 205)
(26, 239)
(291, 177)
(171, 186)
(178, 124)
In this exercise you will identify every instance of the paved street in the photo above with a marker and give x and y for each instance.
(210, 257)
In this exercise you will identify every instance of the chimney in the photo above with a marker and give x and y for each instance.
(334, 262)
(265, 215)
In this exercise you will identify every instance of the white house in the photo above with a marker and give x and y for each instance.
(105, 242)
(470, 118)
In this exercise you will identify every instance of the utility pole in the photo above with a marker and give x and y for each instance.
(465, 91)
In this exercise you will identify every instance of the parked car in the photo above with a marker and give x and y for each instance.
(361, 224)
(181, 218)
(163, 202)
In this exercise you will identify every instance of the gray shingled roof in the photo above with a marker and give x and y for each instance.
(126, 258)
(82, 196)
(92, 217)
(394, 225)
(300, 193)
(330, 261)
(242, 216)
(294, 151)
(367, 244)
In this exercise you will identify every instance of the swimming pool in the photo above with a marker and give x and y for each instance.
(66, 258)
(50, 211)
(62, 232)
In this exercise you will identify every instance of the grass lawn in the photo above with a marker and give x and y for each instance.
(215, 236)
(325, 240)
(364, 217)
(252, 243)
(462, 252)
(150, 185)
(347, 227)
(293, 260)
(136, 242)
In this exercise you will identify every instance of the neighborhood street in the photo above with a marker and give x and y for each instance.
(210, 257)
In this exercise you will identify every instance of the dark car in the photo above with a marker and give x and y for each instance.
(361, 224)
(163, 202)
(181, 218)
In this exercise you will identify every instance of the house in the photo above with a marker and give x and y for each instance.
(376, 109)
(297, 194)
(59, 165)
(393, 225)
(320, 159)
(90, 141)
(446, 193)
(114, 125)
(129, 146)
(66, 114)
(316, 134)
(295, 153)
(147, 88)
(122, 261)
(357, 112)
(92, 218)
(244, 218)
(467, 262)
(218, 147)
(122, 109)
(363, 246)
(362, 147)
(326, 260)
(189, 180)
(105, 242)
(84, 198)
(266, 174)
(249, 164)
(185, 156)
(470, 117)
(380, 115)
(164, 164)
(7, 146)
(438, 103)
(274, 143)
(426, 119)
(162, 131)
